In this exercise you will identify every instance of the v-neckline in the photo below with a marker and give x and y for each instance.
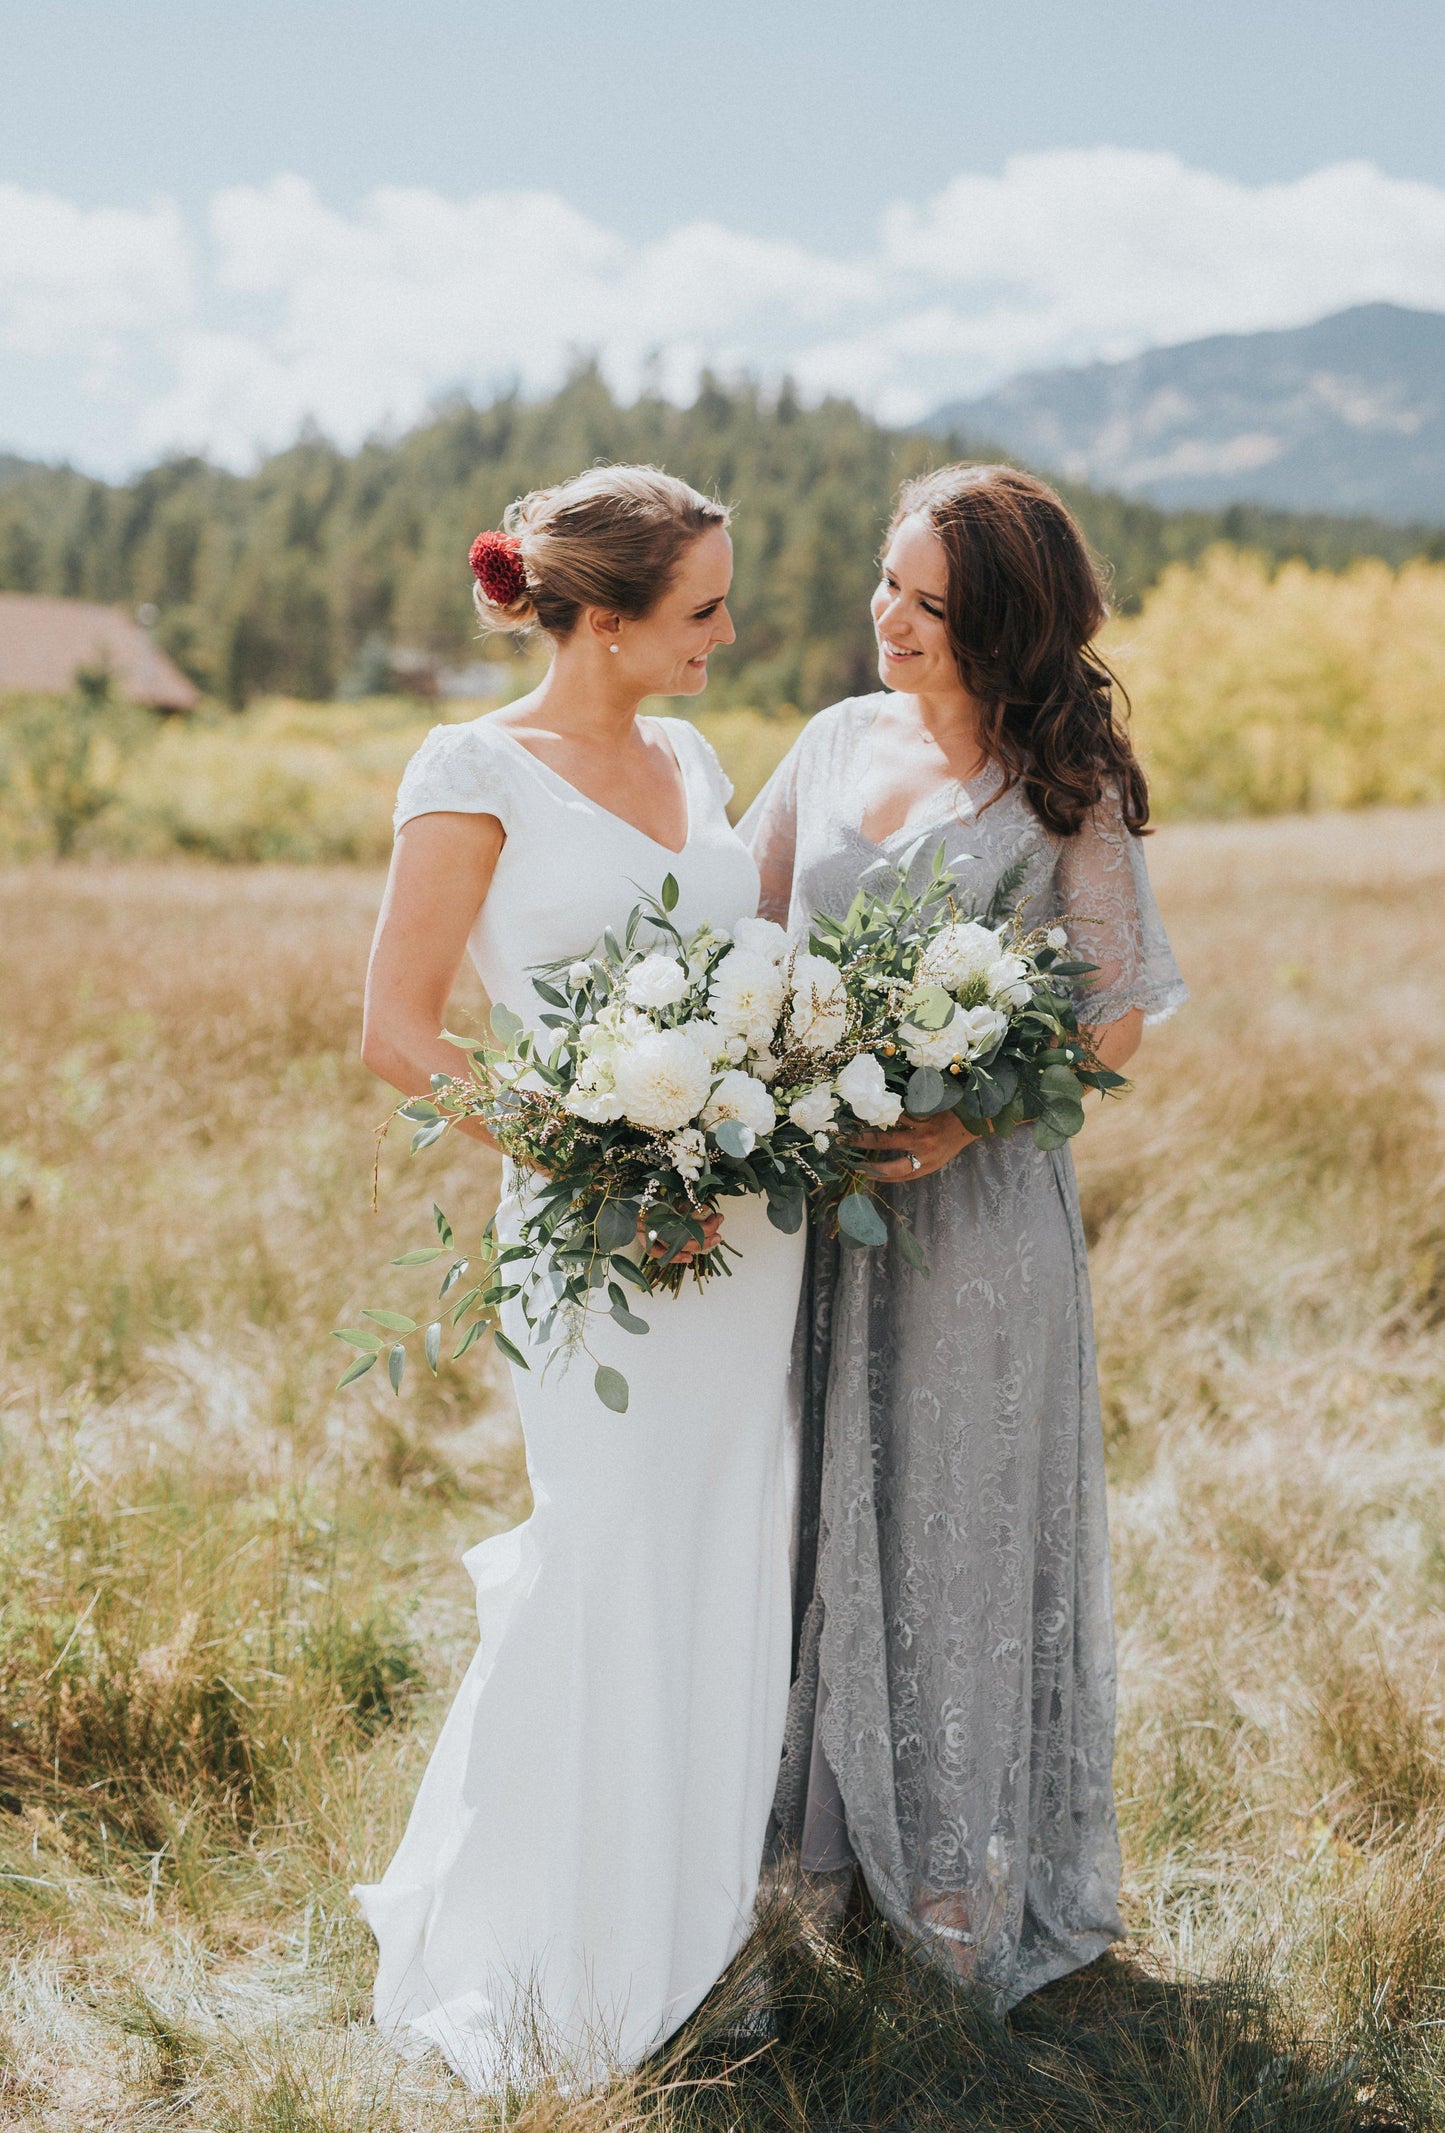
(674, 851)
(927, 824)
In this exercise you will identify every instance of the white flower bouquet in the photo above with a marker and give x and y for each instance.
(678, 1073)
(649, 1102)
(950, 1010)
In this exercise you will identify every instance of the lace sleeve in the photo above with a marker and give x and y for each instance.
(1108, 907)
(455, 771)
(770, 830)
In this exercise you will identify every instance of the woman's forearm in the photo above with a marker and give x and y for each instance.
(407, 1057)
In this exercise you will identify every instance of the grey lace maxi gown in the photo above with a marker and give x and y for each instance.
(952, 1718)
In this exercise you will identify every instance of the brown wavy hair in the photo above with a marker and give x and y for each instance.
(1025, 601)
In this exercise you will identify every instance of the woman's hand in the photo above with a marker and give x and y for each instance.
(711, 1222)
(904, 1153)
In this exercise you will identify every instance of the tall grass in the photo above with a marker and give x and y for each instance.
(231, 1609)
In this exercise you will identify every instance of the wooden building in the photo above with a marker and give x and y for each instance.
(44, 641)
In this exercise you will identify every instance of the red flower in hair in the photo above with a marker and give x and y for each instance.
(496, 558)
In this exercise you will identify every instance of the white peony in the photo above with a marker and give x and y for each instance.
(1057, 938)
(688, 1150)
(657, 981)
(1006, 981)
(662, 1079)
(814, 1110)
(818, 1009)
(958, 955)
(742, 1097)
(746, 995)
(863, 1088)
(761, 936)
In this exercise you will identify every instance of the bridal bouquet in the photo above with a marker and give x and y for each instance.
(676, 1073)
(649, 1101)
(953, 1010)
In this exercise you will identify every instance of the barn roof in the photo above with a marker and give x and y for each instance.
(43, 640)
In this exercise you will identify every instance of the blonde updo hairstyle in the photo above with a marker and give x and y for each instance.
(611, 538)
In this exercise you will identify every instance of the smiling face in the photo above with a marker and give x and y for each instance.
(665, 653)
(914, 654)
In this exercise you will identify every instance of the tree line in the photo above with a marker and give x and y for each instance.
(286, 579)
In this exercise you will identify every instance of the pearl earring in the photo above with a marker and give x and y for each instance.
(613, 648)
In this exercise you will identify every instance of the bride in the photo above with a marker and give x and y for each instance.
(582, 1857)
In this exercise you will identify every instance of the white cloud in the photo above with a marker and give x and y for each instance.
(126, 327)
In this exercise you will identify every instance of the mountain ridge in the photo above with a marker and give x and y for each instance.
(1344, 416)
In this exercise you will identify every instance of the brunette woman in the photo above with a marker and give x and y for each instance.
(952, 1720)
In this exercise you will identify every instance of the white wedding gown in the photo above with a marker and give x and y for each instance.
(582, 1858)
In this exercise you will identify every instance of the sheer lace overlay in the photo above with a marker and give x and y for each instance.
(952, 1719)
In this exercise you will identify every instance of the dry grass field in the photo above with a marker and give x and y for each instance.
(231, 1604)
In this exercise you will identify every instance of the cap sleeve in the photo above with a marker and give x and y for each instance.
(457, 770)
(1108, 907)
(770, 830)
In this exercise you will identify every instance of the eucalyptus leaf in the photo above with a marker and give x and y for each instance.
(425, 1135)
(931, 1008)
(926, 1093)
(859, 1220)
(395, 1365)
(355, 1370)
(611, 1388)
(670, 892)
(508, 1348)
(432, 1344)
(732, 1138)
(912, 1250)
(616, 1225)
(785, 1211)
(628, 1320)
(419, 1111)
(359, 1338)
(506, 1026)
(629, 1270)
(423, 1257)
(394, 1321)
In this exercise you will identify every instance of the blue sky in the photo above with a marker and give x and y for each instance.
(217, 221)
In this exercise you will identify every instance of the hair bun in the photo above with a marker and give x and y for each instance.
(496, 560)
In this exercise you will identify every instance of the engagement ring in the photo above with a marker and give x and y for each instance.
(913, 1159)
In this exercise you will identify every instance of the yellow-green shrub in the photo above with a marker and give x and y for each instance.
(1261, 692)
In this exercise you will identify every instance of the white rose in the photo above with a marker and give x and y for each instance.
(1005, 981)
(862, 1086)
(741, 1097)
(814, 1110)
(958, 955)
(746, 995)
(657, 981)
(818, 1009)
(1057, 938)
(662, 1079)
(980, 1029)
(688, 1150)
(578, 974)
(760, 936)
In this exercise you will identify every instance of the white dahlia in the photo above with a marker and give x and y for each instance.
(761, 936)
(746, 995)
(662, 1079)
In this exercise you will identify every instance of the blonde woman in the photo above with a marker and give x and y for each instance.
(582, 1858)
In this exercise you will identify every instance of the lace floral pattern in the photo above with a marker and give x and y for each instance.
(952, 1718)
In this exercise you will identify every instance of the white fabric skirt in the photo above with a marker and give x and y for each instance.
(582, 1858)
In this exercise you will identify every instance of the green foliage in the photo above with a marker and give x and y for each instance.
(294, 579)
(62, 758)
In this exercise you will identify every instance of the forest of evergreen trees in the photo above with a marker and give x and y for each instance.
(281, 580)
